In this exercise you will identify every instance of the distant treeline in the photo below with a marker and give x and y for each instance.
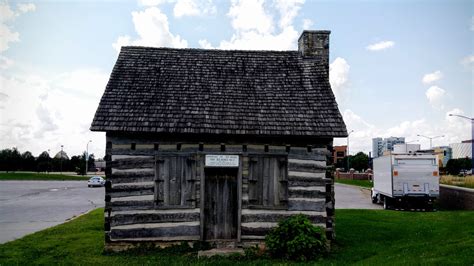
(12, 160)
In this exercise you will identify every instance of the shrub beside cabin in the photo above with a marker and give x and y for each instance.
(217, 145)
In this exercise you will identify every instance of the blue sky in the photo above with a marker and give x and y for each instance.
(397, 67)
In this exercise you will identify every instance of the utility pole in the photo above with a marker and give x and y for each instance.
(348, 158)
(62, 159)
(87, 155)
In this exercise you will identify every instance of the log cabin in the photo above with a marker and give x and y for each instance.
(217, 145)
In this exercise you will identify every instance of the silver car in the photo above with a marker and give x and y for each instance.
(96, 181)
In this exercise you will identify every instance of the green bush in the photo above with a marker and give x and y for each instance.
(296, 238)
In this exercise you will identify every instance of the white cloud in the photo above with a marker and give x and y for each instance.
(24, 8)
(339, 76)
(205, 44)
(5, 62)
(153, 30)
(380, 46)
(151, 2)
(435, 96)
(254, 25)
(6, 13)
(307, 24)
(7, 36)
(468, 61)
(249, 15)
(432, 77)
(288, 11)
(43, 112)
(7, 16)
(194, 8)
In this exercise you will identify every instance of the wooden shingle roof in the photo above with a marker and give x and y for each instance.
(218, 92)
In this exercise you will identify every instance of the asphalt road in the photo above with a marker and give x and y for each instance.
(30, 206)
(353, 197)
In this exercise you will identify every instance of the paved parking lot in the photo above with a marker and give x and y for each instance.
(30, 206)
(353, 197)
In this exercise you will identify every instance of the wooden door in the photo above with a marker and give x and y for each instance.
(220, 204)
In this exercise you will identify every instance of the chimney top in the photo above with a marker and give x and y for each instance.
(314, 44)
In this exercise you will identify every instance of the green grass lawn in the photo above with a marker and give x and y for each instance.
(360, 183)
(369, 237)
(40, 176)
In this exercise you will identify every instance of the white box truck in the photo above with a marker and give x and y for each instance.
(406, 180)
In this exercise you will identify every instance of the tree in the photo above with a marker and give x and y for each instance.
(43, 162)
(91, 162)
(28, 161)
(360, 161)
(10, 160)
(454, 166)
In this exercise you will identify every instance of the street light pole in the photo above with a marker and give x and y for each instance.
(348, 158)
(472, 138)
(87, 154)
(430, 138)
(48, 169)
(61, 158)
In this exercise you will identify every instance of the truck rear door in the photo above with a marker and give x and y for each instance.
(415, 176)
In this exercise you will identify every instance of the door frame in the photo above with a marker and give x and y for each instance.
(202, 163)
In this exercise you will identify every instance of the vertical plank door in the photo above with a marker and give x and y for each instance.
(220, 204)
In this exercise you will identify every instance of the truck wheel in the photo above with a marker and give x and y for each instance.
(385, 204)
(374, 200)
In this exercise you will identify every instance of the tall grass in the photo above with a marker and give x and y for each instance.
(460, 181)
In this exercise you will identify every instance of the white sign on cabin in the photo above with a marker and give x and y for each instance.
(222, 160)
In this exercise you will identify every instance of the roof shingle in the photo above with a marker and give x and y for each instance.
(218, 92)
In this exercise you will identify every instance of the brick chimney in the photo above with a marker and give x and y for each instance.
(314, 44)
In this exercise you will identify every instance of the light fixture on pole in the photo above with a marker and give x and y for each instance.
(430, 138)
(87, 154)
(348, 158)
(62, 146)
(472, 138)
(48, 169)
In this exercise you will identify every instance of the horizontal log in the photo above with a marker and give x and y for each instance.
(129, 152)
(300, 193)
(250, 237)
(147, 171)
(130, 205)
(306, 168)
(254, 231)
(174, 231)
(134, 198)
(128, 163)
(131, 177)
(304, 182)
(308, 156)
(131, 189)
(157, 217)
(117, 157)
(297, 174)
(161, 239)
(269, 217)
(306, 205)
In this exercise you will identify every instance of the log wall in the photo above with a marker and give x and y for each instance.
(132, 213)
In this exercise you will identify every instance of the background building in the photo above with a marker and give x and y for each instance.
(338, 154)
(444, 154)
(461, 150)
(379, 145)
